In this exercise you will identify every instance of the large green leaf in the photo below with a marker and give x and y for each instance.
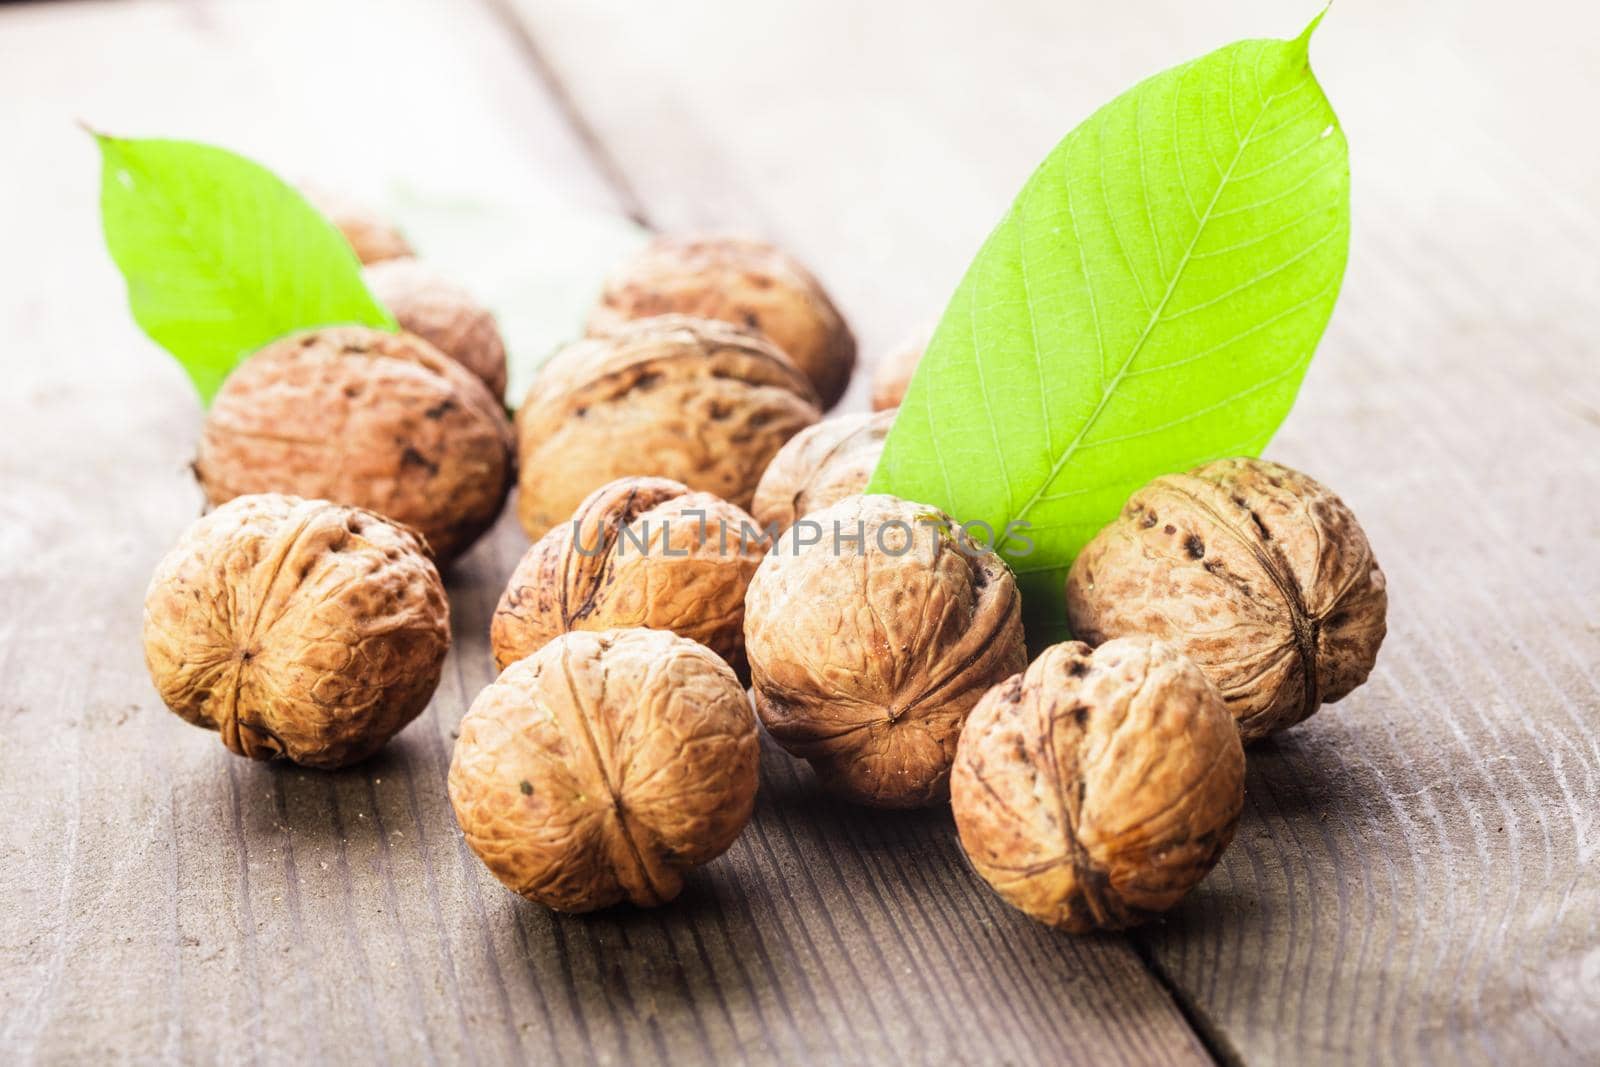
(1150, 302)
(221, 256)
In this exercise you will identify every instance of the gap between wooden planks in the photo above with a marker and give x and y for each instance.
(1418, 873)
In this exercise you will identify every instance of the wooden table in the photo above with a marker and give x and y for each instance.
(1417, 875)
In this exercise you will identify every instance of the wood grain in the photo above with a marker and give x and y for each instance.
(1416, 879)
(167, 901)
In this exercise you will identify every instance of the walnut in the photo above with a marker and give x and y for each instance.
(604, 767)
(737, 280)
(365, 418)
(1257, 573)
(820, 466)
(892, 376)
(871, 632)
(296, 628)
(445, 315)
(1098, 788)
(372, 237)
(694, 400)
(639, 552)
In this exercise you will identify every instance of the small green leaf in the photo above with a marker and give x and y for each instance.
(221, 256)
(1149, 303)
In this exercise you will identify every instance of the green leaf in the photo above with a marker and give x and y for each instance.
(221, 256)
(1149, 303)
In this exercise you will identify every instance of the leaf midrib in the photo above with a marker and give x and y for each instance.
(1155, 317)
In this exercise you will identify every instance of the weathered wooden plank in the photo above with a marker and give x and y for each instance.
(1417, 877)
(167, 900)
(170, 900)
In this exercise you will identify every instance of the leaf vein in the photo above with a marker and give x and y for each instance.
(1066, 455)
(1258, 278)
(1199, 413)
(1111, 217)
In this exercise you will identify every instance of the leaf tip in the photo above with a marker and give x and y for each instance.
(1303, 42)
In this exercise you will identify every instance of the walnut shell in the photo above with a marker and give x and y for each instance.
(372, 237)
(297, 628)
(365, 418)
(820, 466)
(1098, 788)
(1257, 573)
(605, 766)
(865, 659)
(738, 280)
(892, 375)
(639, 552)
(694, 400)
(443, 314)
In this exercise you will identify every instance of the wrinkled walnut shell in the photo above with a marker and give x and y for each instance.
(605, 766)
(639, 552)
(372, 237)
(739, 280)
(694, 400)
(365, 418)
(296, 628)
(866, 662)
(820, 466)
(1257, 573)
(1098, 788)
(443, 314)
(892, 376)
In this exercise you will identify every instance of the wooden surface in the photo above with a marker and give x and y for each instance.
(1417, 876)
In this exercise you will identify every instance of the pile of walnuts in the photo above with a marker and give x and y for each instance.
(699, 529)
(305, 617)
